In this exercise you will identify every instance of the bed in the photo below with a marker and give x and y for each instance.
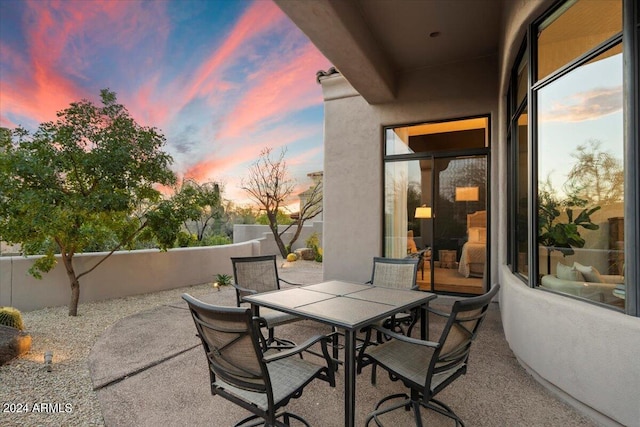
(474, 251)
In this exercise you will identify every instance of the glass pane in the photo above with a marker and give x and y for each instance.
(522, 173)
(523, 81)
(403, 194)
(434, 137)
(460, 227)
(574, 30)
(397, 141)
(581, 181)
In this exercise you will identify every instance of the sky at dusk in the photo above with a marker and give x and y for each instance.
(221, 79)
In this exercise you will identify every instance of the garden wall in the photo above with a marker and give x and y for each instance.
(123, 274)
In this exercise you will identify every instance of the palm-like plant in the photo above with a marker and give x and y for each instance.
(561, 236)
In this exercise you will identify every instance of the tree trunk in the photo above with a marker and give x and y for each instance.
(74, 282)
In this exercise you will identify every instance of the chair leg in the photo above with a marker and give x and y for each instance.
(443, 409)
(377, 412)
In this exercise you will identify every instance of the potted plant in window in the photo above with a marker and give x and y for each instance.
(560, 236)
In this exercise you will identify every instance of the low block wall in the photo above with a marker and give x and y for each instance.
(244, 232)
(123, 274)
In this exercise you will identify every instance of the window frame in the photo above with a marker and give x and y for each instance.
(630, 39)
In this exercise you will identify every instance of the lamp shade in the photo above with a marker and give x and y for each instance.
(423, 212)
(467, 194)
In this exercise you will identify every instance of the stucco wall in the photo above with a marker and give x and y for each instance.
(246, 232)
(353, 142)
(586, 354)
(123, 274)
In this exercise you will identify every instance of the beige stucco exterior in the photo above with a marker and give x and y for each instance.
(585, 353)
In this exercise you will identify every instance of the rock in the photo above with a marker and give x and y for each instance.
(306, 254)
(13, 343)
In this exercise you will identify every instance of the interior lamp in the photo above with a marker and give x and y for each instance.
(423, 211)
(467, 194)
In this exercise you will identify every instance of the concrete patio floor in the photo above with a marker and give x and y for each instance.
(149, 369)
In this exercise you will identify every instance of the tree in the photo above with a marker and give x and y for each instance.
(597, 176)
(202, 205)
(80, 180)
(270, 187)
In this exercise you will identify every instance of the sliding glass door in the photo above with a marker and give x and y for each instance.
(435, 203)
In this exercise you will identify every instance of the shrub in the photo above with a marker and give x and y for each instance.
(9, 316)
(216, 240)
(186, 240)
(223, 279)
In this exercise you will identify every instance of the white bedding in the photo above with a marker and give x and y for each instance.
(472, 259)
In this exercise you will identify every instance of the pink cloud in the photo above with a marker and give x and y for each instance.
(61, 35)
(585, 106)
(214, 167)
(290, 87)
(259, 17)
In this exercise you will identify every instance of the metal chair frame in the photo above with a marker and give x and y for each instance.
(259, 284)
(247, 380)
(447, 362)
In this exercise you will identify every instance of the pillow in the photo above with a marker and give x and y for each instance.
(477, 235)
(565, 272)
(589, 272)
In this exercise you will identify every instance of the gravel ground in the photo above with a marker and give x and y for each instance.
(31, 396)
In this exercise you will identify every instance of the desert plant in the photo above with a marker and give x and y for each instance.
(223, 279)
(12, 317)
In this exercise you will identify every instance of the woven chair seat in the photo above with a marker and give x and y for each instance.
(411, 362)
(287, 376)
(275, 318)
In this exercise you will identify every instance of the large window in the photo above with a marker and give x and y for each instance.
(574, 163)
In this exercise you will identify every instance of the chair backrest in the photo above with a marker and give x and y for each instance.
(231, 343)
(450, 360)
(394, 273)
(258, 273)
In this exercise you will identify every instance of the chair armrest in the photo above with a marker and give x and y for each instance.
(297, 349)
(405, 338)
(290, 283)
(437, 312)
(244, 291)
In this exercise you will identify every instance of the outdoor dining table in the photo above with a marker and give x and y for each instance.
(347, 306)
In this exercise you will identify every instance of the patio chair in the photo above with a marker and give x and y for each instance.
(427, 367)
(258, 274)
(400, 274)
(243, 373)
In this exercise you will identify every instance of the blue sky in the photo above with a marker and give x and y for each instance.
(222, 79)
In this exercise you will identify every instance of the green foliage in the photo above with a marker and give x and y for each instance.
(10, 316)
(186, 239)
(281, 217)
(88, 180)
(223, 279)
(557, 235)
(216, 240)
(201, 206)
(313, 242)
